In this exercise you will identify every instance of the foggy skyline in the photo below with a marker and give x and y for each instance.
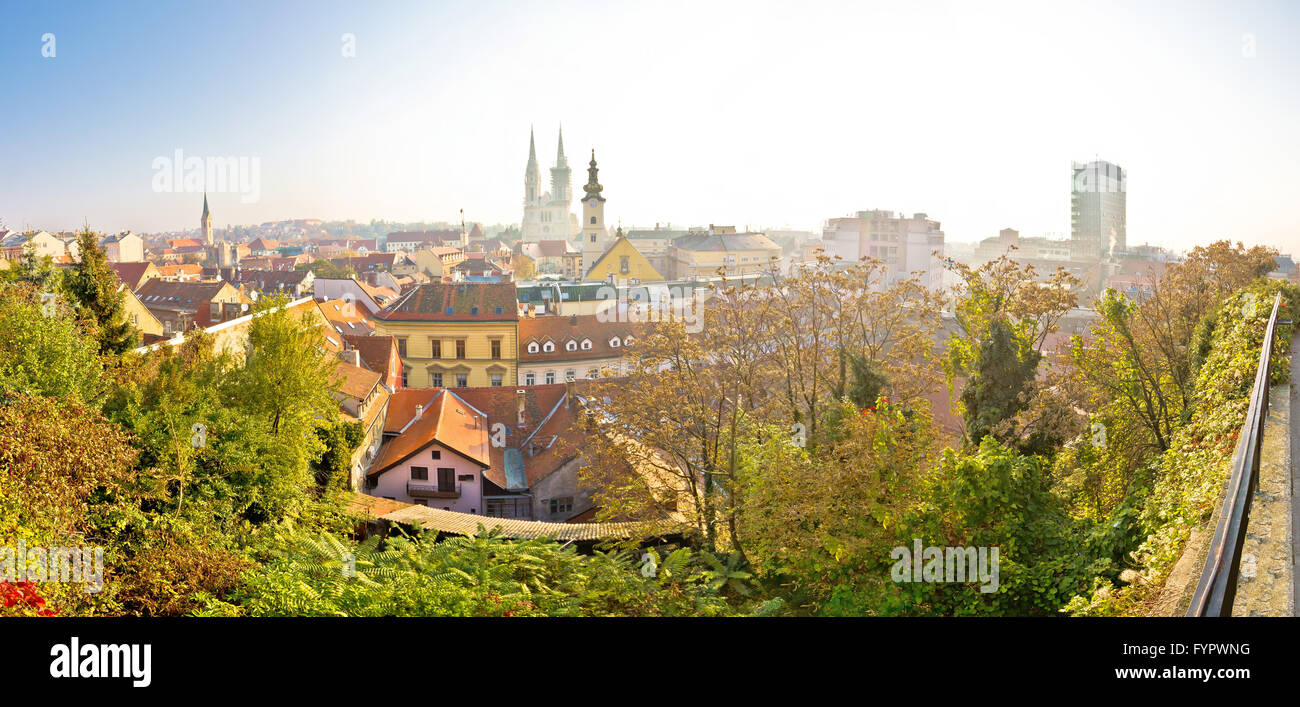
(730, 113)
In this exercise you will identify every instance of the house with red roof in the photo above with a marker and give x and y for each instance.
(528, 468)
(437, 455)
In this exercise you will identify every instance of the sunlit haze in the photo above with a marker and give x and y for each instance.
(761, 114)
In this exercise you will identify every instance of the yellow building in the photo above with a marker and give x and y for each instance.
(139, 315)
(454, 334)
(721, 249)
(623, 264)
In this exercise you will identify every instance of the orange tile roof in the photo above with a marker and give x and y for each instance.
(401, 407)
(562, 329)
(450, 422)
(348, 317)
(547, 423)
(354, 381)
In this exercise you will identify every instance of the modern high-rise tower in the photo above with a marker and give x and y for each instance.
(1097, 210)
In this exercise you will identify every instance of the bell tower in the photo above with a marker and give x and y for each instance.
(593, 218)
(205, 223)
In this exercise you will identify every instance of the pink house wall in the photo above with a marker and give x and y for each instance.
(392, 483)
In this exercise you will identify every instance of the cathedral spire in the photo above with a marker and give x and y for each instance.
(593, 187)
(205, 222)
(532, 148)
(560, 160)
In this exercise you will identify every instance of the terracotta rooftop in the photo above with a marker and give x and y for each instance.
(455, 301)
(451, 422)
(376, 351)
(131, 274)
(576, 328)
(349, 318)
(354, 381)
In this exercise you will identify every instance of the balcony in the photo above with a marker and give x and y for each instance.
(425, 489)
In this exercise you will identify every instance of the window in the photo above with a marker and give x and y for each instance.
(532, 347)
(614, 343)
(586, 344)
(562, 505)
(570, 374)
(548, 347)
(406, 372)
(593, 219)
(446, 479)
(627, 341)
(550, 377)
(517, 507)
(419, 473)
(496, 348)
(450, 311)
(465, 477)
(401, 347)
(473, 310)
(460, 348)
(498, 310)
(624, 264)
(435, 348)
(462, 380)
(530, 379)
(571, 346)
(435, 453)
(496, 380)
(437, 380)
(593, 238)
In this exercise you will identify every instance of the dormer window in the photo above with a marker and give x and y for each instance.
(627, 341)
(571, 345)
(532, 347)
(586, 344)
(548, 347)
(615, 343)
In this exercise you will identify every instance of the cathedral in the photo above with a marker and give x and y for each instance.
(547, 215)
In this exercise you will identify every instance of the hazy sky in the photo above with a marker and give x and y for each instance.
(748, 113)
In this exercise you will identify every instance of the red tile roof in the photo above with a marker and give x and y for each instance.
(576, 328)
(551, 428)
(131, 274)
(450, 422)
(379, 354)
(455, 301)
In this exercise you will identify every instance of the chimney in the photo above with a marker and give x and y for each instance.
(520, 398)
(419, 412)
(351, 356)
(570, 391)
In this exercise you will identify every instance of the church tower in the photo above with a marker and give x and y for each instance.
(593, 218)
(561, 178)
(532, 176)
(205, 223)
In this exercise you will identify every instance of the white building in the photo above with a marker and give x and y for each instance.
(125, 247)
(905, 245)
(547, 215)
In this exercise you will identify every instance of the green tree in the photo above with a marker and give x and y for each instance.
(98, 293)
(997, 386)
(43, 351)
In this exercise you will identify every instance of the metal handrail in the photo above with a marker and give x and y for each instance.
(1218, 585)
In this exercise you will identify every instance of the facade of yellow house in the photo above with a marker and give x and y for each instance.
(139, 315)
(455, 334)
(623, 264)
(706, 253)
